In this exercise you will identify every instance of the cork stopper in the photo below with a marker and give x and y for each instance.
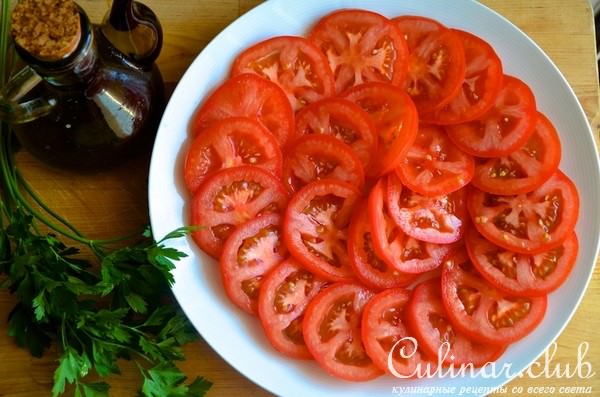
(49, 30)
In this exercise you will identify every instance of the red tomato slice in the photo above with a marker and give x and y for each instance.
(427, 318)
(504, 128)
(367, 265)
(319, 156)
(384, 330)
(527, 223)
(332, 332)
(438, 219)
(343, 119)
(525, 169)
(520, 274)
(482, 83)
(395, 117)
(248, 95)
(433, 165)
(416, 28)
(294, 63)
(229, 143)
(361, 46)
(483, 312)
(284, 294)
(250, 251)
(229, 198)
(436, 66)
(316, 227)
(397, 249)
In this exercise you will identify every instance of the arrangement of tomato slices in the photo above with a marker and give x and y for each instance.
(381, 195)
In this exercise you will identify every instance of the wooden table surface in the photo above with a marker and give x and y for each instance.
(112, 202)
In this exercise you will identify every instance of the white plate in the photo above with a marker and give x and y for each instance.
(236, 336)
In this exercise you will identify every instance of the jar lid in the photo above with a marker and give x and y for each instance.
(48, 30)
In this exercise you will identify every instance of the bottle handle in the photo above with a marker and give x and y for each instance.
(134, 30)
(15, 112)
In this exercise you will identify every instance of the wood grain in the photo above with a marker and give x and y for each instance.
(114, 202)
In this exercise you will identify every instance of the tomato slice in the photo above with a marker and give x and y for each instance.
(397, 249)
(294, 63)
(482, 83)
(361, 46)
(343, 119)
(248, 95)
(319, 156)
(229, 143)
(504, 128)
(250, 251)
(395, 117)
(367, 265)
(438, 219)
(316, 227)
(433, 165)
(525, 169)
(332, 332)
(483, 312)
(520, 274)
(527, 223)
(436, 66)
(284, 294)
(384, 332)
(428, 319)
(229, 198)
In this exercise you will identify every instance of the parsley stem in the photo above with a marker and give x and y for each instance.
(119, 345)
(43, 205)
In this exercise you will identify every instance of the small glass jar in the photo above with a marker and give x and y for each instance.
(95, 107)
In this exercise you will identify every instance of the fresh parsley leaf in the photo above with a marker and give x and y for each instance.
(165, 379)
(99, 389)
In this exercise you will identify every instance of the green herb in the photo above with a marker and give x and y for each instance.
(97, 312)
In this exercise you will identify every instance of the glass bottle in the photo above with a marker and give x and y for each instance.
(96, 106)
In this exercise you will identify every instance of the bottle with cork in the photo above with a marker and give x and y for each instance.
(89, 95)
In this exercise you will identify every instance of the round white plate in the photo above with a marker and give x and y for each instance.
(238, 337)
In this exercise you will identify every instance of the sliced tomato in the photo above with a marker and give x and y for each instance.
(395, 117)
(440, 219)
(361, 46)
(294, 63)
(250, 251)
(439, 339)
(319, 156)
(504, 128)
(284, 294)
(436, 66)
(229, 143)
(527, 223)
(483, 312)
(433, 165)
(367, 265)
(316, 227)
(399, 250)
(384, 333)
(521, 274)
(332, 332)
(229, 198)
(343, 119)
(248, 95)
(415, 28)
(525, 169)
(482, 83)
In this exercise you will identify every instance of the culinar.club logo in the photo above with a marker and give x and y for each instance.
(443, 367)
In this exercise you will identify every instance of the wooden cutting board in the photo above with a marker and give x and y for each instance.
(114, 202)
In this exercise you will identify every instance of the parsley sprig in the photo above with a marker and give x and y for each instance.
(96, 311)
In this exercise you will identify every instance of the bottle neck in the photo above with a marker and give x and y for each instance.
(75, 70)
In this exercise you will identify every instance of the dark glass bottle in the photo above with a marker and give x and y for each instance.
(95, 107)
